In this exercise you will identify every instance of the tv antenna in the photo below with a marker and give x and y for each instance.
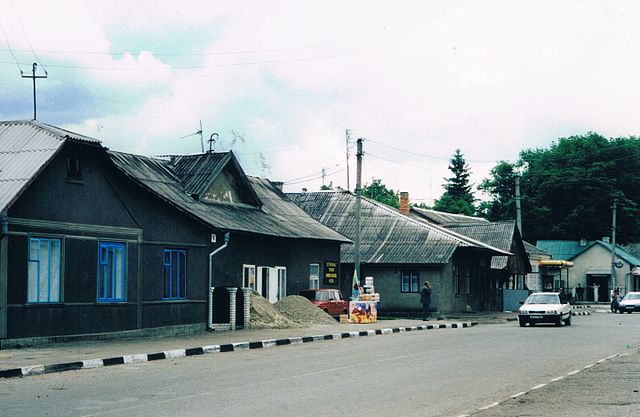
(34, 77)
(198, 132)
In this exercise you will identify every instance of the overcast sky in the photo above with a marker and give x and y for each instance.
(281, 81)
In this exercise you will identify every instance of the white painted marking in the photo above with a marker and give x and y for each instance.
(211, 349)
(135, 358)
(176, 353)
(538, 386)
(520, 394)
(32, 370)
(92, 363)
(486, 407)
(557, 379)
(573, 372)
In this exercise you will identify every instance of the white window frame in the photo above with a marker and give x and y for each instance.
(249, 272)
(282, 281)
(314, 279)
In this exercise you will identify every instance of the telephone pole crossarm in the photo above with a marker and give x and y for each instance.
(34, 77)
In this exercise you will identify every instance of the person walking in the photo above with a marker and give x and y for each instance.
(614, 300)
(580, 292)
(425, 300)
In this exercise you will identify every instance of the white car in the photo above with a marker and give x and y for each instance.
(544, 307)
(630, 303)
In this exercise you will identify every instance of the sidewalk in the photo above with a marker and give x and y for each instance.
(97, 353)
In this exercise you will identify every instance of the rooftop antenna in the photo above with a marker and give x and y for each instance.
(198, 132)
(34, 77)
(212, 141)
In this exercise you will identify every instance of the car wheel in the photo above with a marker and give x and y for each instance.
(559, 322)
(629, 312)
(522, 322)
(568, 321)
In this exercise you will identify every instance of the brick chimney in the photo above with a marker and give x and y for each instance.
(404, 203)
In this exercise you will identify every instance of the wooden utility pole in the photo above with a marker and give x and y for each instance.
(358, 197)
(34, 77)
(613, 245)
(518, 207)
(348, 140)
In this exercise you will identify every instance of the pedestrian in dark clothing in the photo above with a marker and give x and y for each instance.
(580, 292)
(425, 299)
(563, 296)
(615, 295)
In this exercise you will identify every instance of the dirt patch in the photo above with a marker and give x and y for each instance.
(300, 310)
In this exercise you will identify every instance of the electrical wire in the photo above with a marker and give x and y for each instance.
(10, 50)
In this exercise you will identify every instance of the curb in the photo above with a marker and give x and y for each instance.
(202, 350)
(580, 313)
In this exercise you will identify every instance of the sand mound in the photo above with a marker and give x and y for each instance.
(302, 311)
(265, 315)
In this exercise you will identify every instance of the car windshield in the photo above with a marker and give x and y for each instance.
(543, 299)
(633, 296)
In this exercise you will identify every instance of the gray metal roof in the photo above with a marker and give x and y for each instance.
(386, 235)
(498, 234)
(446, 219)
(26, 147)
(279, 217)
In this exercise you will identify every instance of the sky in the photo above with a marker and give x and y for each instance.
(281, 82)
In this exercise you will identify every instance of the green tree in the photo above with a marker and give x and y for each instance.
(327, 187)
(568, 188)
(457, 197)
(379, 192)
(501, 188)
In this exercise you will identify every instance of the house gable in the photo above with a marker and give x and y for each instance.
(214, 177)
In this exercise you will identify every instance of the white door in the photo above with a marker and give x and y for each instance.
(272, 296)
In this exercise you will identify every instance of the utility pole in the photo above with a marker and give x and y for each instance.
(518, 207)
(324, 174)
(348, 139)
(613, 245)
(359, 154)
(34, 77)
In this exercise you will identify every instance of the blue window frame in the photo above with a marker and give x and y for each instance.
(175, 274)
(111, 272)
(44, 270)
(410, 281)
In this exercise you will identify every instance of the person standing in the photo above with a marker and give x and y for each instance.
(595, 292)
(580, 292)
(425, 300)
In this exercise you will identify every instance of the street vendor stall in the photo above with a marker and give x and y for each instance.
(363, 307)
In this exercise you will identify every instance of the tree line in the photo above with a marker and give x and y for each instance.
(566, 190)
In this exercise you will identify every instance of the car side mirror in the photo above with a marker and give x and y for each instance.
(521, 302)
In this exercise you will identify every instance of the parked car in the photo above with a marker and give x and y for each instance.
(629, 303)
(544, 307)
(328, 299)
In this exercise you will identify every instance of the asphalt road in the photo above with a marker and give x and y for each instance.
(431, 373)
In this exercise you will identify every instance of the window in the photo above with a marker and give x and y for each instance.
(282, 282)
(111, 271)
(314, 275)
(249, 277)
(175, 274)
(410, 281)
(73, 168)
(44, 271)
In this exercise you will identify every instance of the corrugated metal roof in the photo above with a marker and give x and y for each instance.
(281, 218)
(534, 250)
(446, 219)
(498, 234)
(26, 147)
(567, 250)
(386, 235)
(197, 171)
(563, 249)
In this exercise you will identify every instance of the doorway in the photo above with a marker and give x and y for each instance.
(602, 289)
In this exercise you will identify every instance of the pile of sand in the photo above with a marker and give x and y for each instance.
(265, 315)
(302, 311)
(291, 312)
